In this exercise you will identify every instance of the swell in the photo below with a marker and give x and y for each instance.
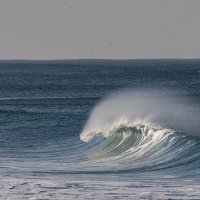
(45, 98)
(43, 105)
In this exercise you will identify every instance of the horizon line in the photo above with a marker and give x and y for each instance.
(99, 59)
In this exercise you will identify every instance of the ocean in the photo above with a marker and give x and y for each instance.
(100, 129)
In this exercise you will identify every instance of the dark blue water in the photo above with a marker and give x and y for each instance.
(100, 129)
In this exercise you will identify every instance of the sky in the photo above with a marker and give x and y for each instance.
(115, 29)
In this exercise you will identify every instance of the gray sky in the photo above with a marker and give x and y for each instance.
(65, 29)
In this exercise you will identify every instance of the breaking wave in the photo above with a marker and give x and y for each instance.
(142, 131)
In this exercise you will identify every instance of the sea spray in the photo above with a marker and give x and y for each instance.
(129, 108)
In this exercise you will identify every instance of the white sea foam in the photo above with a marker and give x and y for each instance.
(95, 187)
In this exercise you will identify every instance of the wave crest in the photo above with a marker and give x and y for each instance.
(122, 127)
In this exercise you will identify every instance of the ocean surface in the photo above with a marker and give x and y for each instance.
(100, 129)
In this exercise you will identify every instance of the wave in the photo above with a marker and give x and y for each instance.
(142, 147)
(141, 130)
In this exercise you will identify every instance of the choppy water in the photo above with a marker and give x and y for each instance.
(100, 129)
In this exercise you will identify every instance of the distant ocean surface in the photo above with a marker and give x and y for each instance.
(100, 129)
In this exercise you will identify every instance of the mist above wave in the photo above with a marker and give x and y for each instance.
(157, 108)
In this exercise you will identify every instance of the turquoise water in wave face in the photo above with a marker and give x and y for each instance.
(100, 129)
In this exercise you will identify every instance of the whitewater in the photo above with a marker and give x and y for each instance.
(100, 130)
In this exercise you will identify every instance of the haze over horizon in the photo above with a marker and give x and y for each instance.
(92, 29)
